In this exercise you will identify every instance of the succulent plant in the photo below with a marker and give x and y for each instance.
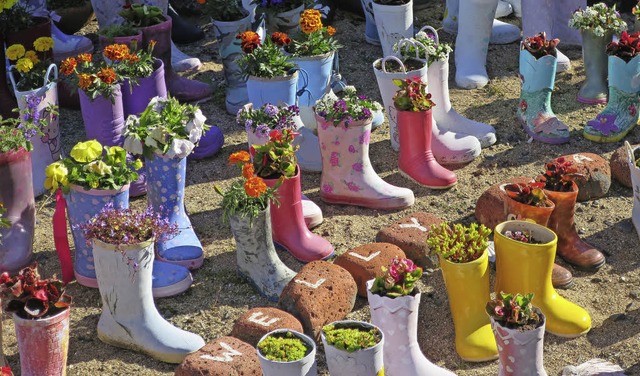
(283, 347)
(513, 311)
(459, 243)
(351, 338)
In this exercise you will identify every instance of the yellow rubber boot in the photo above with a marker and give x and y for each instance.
(468, 290)
(524, 268)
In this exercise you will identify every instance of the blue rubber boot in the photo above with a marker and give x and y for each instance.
(210, 143)
(370, 30)
(165, 192)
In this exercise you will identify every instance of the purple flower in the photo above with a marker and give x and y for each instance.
(604, 123)
(340, 106)
(366, 114)
(248, 125)
(262, 130)
(271, 110)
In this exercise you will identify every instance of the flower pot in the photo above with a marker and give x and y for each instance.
(103, 118)
(594, 89)
(303, 367)
(388, 90)
(129, 40)
(367, 361)
(73, 19)
(518, 210)
(83, 205)
(43, 344)
(42, 28)
(135, 98)
(394, 22)
(286, 22)
(277, 90)
(520, 352)
(317, 71)
(16, 194)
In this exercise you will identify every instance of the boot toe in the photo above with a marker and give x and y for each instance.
(209, 144)
(189, 256)
(478, 346)
(169, 279)
(564, 64)
(588, 260)
(560, 277)
(312, 212)
(186, 90)
(471, 80)
(565, 319)
(451, 148)
(504, 33)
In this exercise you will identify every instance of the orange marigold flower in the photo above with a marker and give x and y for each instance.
(116, 52)
(85, 80)
(85, 58)
(310, 21)
(239, 157)
(68, 66)
(255, 186)
(33, 56)
(280, 39)
(331, 30)
(250, 40)
(107, 75)
(132, 58)
(247, 170)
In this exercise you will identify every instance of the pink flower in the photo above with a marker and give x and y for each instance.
(352, 149)
(326, 188)
(357, 167)
(632, 109)
(335, 159)
(353, 187)
(499, 310)
(365, 137)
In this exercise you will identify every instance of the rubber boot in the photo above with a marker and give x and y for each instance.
(394, 22)
(450, 148)
(256, 257)
(594, 89)
(183, 32)
(501, 32)
(398, 320)
(347, 174)
(622, 112)
(635, 180)
(504, 9)
(210, 143)
(370, 29)
(16, 195)
(468, 290)
(165, 193)
(445, 115)
(416, 160)
(516, 5)
(534, 107)
(316, 72)
(527, 267)
(570, 247)
(129, 316)
(288, 227)
(8, 102)
(183, 89)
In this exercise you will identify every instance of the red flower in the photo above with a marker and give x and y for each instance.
(250, 40)
(281, 39)
(275, 135)
(523, 106)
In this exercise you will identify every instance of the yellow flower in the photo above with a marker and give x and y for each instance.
(56, 176)
(6, 4)
(33, 56)
(88, 151)
(43, 44)
(98, 167)
(15, 51)
(137, 164)
(118, 154)
(24, 65)
(94, 184)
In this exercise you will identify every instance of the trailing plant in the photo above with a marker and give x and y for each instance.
(626, 48)
(249, 196)
(116, 30)
(92, 166)
(529, 194)
(263, 120)
(521, 236)
(398, 279)
(314, 39)
(351, 337)
(15, 134)
(539, 46)
(14, 16)
(28, 65)
(598, 19)
(62, 4)
(348, 109)
(166, 127)
(559, 175)
(224, 10)
(139, 15)
(264, 60)
(283, 347)
(277, 157)
(31, 297)
(431, 52)
(459, 244)
(95, 78)
(131, 64)
(514, 311)
(412, 95)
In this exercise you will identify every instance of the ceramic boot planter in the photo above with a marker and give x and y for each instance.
(369, 361)
(43, 344)
(398, 320)
(165, 192)
(129, 316)
(303, 367)
(394, 22)
(46, 148)
(520, 352)
(347, 176)
(501, 32)
(527, 267)
(288, 227)
(103, 118)
(594, 89)
(635, 180)
(16, 194)
(468, 290)
(318, 71)
(571, 248)
(256, 256)
(416, 161)
(370, 30)
(534, 107)
(623, 108)
(229, 51)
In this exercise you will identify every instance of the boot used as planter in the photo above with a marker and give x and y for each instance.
(622, 112)
(136, 96)
(103, 117)
(288, 226)
(534, 107)
(501, 32)
(131, 41)
(370, 30)
(398, 319)
(594, 89)
(129, 316)
(394, 22)
(317, 70)
(16, 194)
(362, 361)
(256, 256)
(286, 22)
(528, 267)
(633, 154)
(306, 366)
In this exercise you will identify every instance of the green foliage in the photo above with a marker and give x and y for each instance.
(137, 65)
(412, 95)
(398, 279)
(313, 44)
(276, 157)
(529, 194)
(283, 347)
(236, 201)
(432, 51)
(112, 31)
(513, 311)
(266, 61)
(4, 222)
(16, 18)
(139, 15)
(224, 10)
(459, 244)
(351, 337)
(16, 133)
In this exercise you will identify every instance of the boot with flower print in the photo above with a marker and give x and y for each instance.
(347, 175)
(534, 108)
(621, 113)
(633, 154)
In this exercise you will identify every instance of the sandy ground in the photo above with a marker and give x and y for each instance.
(219, 295)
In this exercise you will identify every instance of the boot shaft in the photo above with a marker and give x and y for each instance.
(522, 349)
(391, 315)
(438, 79)
(277, 90)
(414, 130)
(537, 74)
(103, 118)
(165, 185)
(316, 73)
(624, 76)
(161, 34)
(593, 53)
(562, 218)
(16, 190)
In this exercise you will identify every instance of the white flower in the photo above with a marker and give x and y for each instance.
(150, 142)
(194, 132)
(157, 103)
(198, 119)
(180, 148)
(132, 144)
(132, 122)
(349, 89)
(159, 134)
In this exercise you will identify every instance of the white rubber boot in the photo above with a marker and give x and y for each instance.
(635, 180)
(539, 16)
(129, 316)
(452, 148)
(516, 5)
(501, 32)
(504, 9)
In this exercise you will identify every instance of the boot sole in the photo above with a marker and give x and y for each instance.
(191, 264)
(615, 138)
(586, 268)
(565, 286)
(278, 245)
(537, 137)
(424, 185)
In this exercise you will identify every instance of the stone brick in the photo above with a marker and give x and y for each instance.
(490, 205)
(225, 356)
(597, 175)
(318, 295)
(620, 167)
(259, 321)
(410, 234)
(366, 261)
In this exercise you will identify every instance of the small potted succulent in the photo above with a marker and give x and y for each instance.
(464, 260)
(282, 15)
(285, 352)
(40, 310)
(74, 14)
(394, 20)
(527, 201)
(353, 348)
(519, 330)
